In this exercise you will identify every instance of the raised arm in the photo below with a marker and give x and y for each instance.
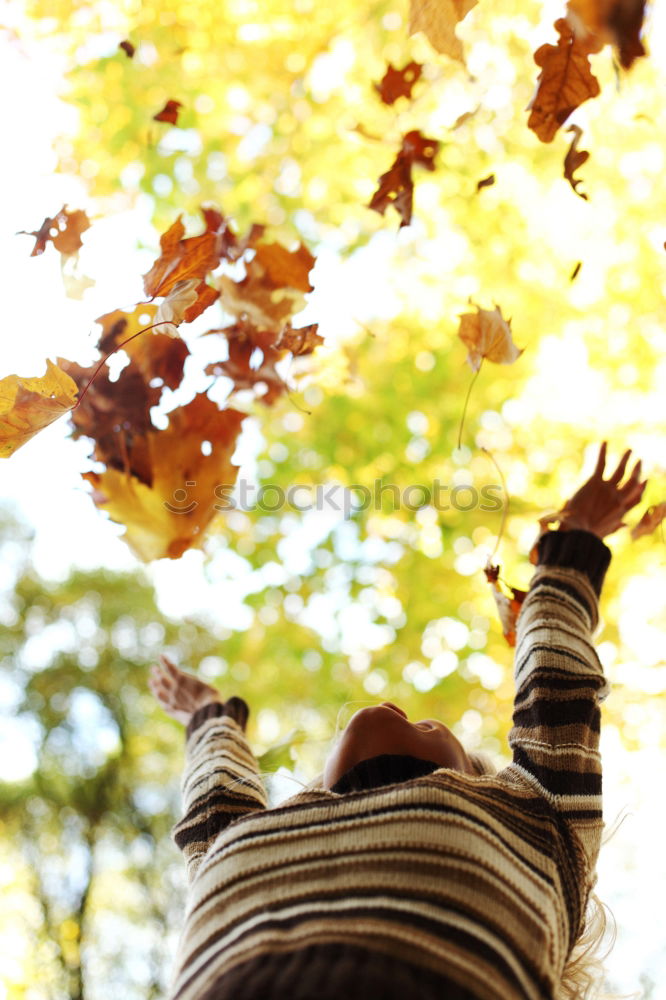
(559, 679)
(221, 780)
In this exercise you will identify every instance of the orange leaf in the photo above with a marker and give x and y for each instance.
(157, 355)
(508, 607)
(616, 21)
(565, 81)
(396, 186)
(487, 335)
(272, 289)
(64, 230)
(650, 521)
(181, 259)
(27, 405)
(575, 159)
(166, 518)
(398, 82)
(299, 341)
(437, 19)
(169, 113)
(286, 268)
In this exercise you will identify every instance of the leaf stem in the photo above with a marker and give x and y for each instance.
(462, 419)
(506, 505)
(117, 348)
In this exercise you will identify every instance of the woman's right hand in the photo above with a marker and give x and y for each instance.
(600, 504)
(179, 694)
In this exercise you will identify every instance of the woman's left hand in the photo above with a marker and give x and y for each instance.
(179, 694)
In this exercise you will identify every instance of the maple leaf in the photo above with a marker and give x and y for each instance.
(27, 405)
(157, 355)
(302, 340)
(508, 606)
(166, 518)
(574, 159)
(286, 268)
(229, 245)
(272, 289)
(63, 230)
(183, 296)
(181, 259)
(169, 113)
(618, 22)
(437, 19)
(398, 82)
(650, 521)
(487, 335)
(246, 376)
(565, 81)
(396, 186)
(127, 48)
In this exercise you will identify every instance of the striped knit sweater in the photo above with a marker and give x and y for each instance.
(446, 886)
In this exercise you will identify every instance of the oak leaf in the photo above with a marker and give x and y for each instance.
(437, 19)
(574, 159)
(650, 521)
(63, 230)
(165, 519)
(169, 113)
(565, 81)
(398, 82)
(487, 336)
(27, 405)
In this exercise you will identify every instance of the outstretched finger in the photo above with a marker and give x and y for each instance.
(169, 666)
(633, 480)
(619, 472)
(601, 462)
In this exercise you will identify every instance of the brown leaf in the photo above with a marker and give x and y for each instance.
(300, 341)
(127, 48)
(618, 22)
(396, 186)
(27, 405)
(272, 289)
(398, 82)
(157, 355)
(565, 81)
(63, 230)
(181, 259)
(230, 246)
(169, 113)
(244, 376)
(650, 521)
(576, 271)
(508, 607)
(286, 268)
(486, 182)
(574, 159)
(487, 335)
(166, 518)
(437, 19)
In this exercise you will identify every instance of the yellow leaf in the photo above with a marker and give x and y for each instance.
(27, 405)
(437, 19)
(488, 335)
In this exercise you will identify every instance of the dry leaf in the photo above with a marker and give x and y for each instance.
(299, 341)
(565, 81)
(487, 335)
(396, 186)
(169, 113)
(63, 230)
(127, 48)
(574, 159)
(650, 521)
(27, 405)
(508, 607)
(158, 356)
(169, 517)
(486, 182)
(618, 22)
(246, 376)
(172, 310)
(437, 19)
(286, 268)
(398, 82)
(273, 287)
(181, 259)
(576, 271)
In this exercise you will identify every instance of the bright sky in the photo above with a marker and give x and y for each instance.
(43, 478)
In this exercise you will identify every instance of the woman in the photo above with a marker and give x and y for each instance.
(409, 872)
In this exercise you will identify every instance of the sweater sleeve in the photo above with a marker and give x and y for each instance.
(221, 780)
(560, 682)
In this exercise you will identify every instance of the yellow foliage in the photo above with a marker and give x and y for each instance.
(27, 405)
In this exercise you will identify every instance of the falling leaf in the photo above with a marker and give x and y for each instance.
(127, 48)
(247, 376)
(165, 519)
(172, 310)
(300, 341)
(27, 405)
(437, 19)
(486, 182)
(286, 268)
(618, 22)
(565, 81)
(169, 113)
(63, 230)
(574, 159)
(396, 186)
(158, 356)
(487, 335)
(508, 607)
(273, 287)
(576, 271)
(181, 259)
(398, 82)
(650, 521)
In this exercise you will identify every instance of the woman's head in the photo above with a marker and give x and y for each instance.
(385, 729)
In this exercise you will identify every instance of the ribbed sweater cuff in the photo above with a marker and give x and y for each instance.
(576, 549)
(235, 708)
